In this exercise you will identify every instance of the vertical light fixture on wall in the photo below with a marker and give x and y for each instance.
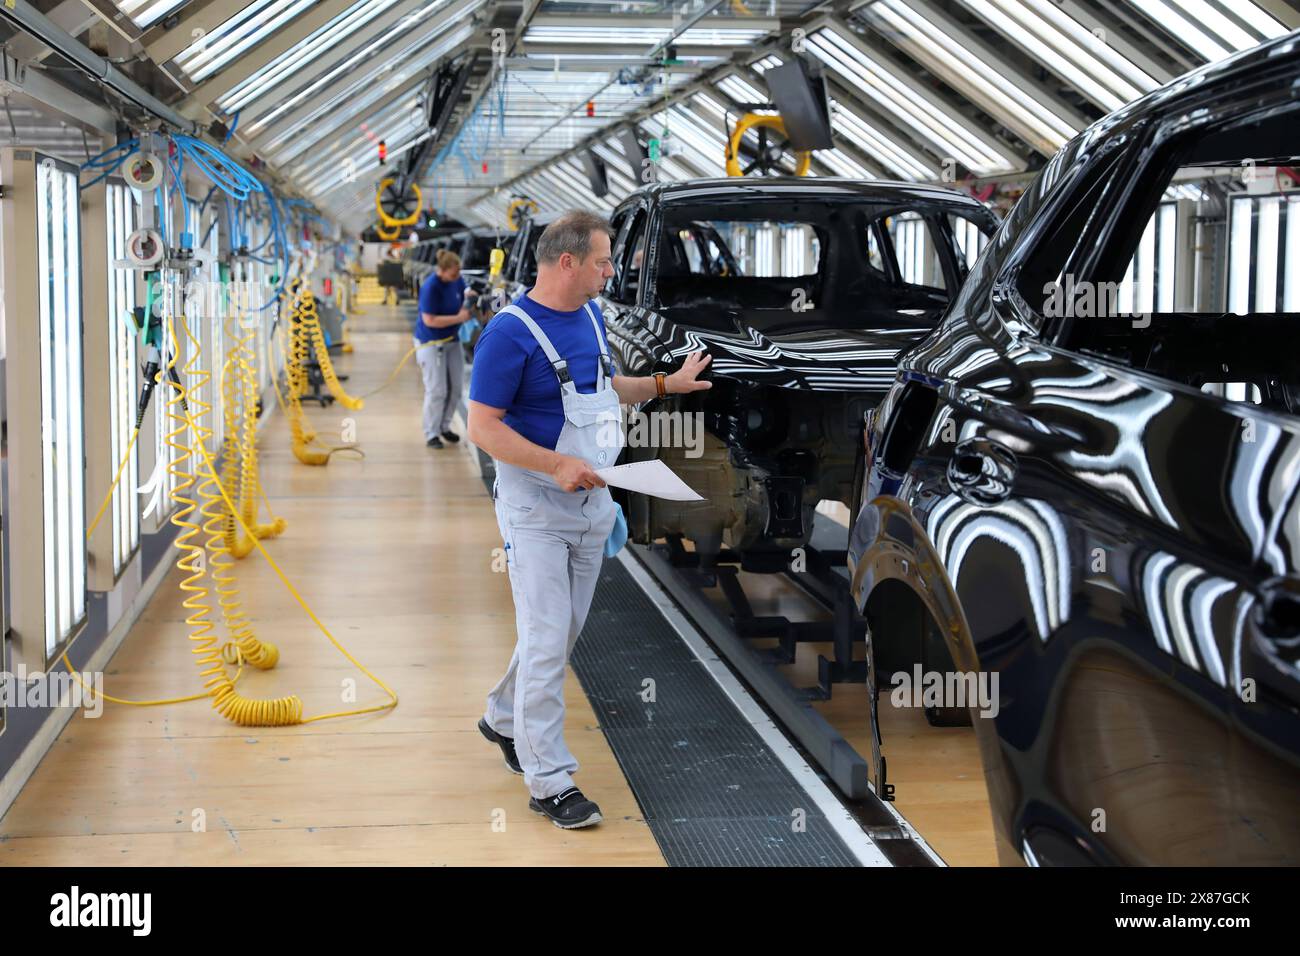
(111, 366)
(203, 393)
(214, 310)
(45, 511)
(124, 375)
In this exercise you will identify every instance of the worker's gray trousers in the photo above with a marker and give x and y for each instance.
(443, 369)
(555, 543)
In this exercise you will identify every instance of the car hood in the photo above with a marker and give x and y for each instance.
(817, 356)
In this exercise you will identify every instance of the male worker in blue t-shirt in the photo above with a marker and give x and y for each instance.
(438, 351)
(542, 399)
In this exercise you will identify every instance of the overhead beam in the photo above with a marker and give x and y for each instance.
(30, 20)
(115, 18)
(632, 118)
(70, 15)
(36, 89)
(633, 51)
(618, 21)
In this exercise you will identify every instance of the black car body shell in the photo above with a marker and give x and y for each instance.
(1103, 539)
(809, 357)
(810, 382)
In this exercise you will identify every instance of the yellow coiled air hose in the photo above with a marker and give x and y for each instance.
(295, 371)
(188, 432)
(244, 711)
(239, 458)
(219, 525)
(90, 531)
(309, 324)
(267, 712)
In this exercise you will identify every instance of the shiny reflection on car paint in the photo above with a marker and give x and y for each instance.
(1032, 531)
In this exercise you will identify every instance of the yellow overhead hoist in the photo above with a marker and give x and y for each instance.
(768, 155)
(398, 205)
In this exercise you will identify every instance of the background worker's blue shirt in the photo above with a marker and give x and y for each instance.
(439, 298)
(512, 372)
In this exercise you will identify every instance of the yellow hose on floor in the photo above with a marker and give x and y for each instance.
(67, 662)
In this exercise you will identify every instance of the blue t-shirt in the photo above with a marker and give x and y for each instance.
(512, 372)
(439, 298)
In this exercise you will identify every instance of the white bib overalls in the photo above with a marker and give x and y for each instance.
(554, 542)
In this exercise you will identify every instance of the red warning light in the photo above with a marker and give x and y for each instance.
(591, 107)
(485, 167)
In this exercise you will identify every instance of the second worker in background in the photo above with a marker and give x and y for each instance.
(438, 351)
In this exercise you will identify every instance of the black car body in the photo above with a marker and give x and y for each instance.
(1071, 501)
(419, 259)
(474, 246)
(520, 270)
(799, 351)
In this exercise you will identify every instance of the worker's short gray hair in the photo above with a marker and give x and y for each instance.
(570, 233)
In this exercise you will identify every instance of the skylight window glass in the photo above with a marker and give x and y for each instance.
(303, 54)
(145, 13)
(236, 36)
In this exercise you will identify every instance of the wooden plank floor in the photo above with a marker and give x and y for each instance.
(394, 554)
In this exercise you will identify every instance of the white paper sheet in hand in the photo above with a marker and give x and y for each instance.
(652, 478)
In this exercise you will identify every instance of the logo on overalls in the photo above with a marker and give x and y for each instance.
(600, 458)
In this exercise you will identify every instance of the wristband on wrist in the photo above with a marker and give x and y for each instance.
(661, 384)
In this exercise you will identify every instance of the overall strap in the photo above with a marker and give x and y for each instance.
(560, 366)
(606, 363)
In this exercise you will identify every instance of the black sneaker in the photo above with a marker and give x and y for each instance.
(450, 436)
(568, 810)
(506, 744)
(435, 442)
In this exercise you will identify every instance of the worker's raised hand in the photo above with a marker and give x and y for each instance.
(685, 378)
(574, 474)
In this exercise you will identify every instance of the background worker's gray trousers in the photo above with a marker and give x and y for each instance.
(443, 369)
